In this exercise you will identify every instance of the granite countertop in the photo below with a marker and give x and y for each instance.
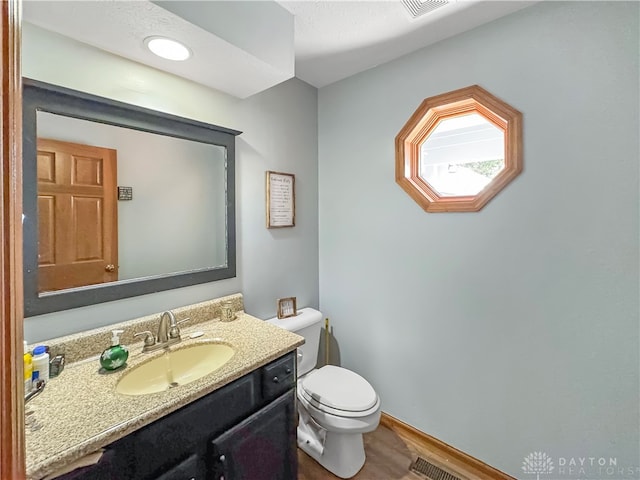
(80, 411)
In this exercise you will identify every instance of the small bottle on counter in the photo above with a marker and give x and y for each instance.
(227, 313)
(28, 368)
(56, 365)
(41, 363)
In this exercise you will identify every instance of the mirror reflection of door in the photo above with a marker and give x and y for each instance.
(77, 215)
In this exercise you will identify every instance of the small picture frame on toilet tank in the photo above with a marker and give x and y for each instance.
(287, 307)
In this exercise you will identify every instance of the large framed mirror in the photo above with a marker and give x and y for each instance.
(120, 200)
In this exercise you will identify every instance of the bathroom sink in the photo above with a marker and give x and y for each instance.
(175, 368)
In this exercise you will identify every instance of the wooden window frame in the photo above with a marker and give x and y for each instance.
(425, 119)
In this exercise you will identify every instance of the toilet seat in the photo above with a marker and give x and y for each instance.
(339, 391)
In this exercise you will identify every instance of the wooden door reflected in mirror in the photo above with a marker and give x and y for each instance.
(77, 215)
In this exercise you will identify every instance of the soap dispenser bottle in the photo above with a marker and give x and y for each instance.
(116, 355)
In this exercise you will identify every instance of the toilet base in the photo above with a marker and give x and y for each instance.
(343, 453)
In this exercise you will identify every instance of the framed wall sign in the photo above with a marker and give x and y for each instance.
(281, 200)
(287, 307)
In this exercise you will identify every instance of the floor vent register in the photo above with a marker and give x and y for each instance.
(430, 471)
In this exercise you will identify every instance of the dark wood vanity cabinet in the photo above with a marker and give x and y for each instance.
(262, 447)
(245, 430)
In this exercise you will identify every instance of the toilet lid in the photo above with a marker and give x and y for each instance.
(339, 388)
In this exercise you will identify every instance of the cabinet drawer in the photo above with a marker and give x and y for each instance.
(278, 377)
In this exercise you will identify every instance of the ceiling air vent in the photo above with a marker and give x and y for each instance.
(419, 7)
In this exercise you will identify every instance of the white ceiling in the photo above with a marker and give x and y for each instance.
(259, 42)
(335, 39)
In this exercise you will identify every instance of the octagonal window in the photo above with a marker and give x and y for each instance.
(458, 150)
(462, 155)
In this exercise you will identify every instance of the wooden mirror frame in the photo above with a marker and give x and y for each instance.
(426, 118)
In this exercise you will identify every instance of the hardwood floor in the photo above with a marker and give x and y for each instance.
(388, 458)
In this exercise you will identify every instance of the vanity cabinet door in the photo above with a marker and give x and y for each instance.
(192, 468)
(160, 446)
(262, 447)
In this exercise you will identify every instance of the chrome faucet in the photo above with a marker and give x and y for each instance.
(168, 333)
(166, 319)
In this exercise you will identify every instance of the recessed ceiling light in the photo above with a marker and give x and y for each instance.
(167, 48)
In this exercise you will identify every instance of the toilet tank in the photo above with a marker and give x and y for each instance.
(308, 324)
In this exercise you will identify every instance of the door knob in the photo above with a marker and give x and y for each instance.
(110, 268)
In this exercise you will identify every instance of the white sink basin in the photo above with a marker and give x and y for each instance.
(175, 368)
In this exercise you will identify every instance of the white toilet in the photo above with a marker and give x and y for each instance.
(336, 406)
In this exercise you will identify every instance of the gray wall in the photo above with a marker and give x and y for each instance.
(279, 133)
(514, 329)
